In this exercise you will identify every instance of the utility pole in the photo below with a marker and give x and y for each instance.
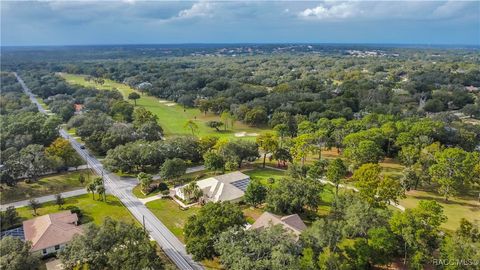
(144, 230)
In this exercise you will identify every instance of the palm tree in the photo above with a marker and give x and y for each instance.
(34, 205)
(145, 181)
(192, 192)
(187, 192)
(101, 191)
(91, 188)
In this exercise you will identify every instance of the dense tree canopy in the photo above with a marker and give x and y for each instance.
(113, 245)
(203, 229)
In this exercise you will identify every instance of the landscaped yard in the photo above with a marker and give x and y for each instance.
(92, 210)
(455, 209)
(171, 215)
(137, 191)
(47, 185)
(172, 117)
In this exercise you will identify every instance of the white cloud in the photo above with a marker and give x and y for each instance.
(333, 11)
(385, 10)
(449, 9)
(200, 9)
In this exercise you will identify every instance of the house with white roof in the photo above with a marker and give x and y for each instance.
(227, 187)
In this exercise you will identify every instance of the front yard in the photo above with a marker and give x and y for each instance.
(170, 213)
(46, 185)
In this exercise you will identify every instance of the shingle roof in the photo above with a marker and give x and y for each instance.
(292, 223)
(50, 230)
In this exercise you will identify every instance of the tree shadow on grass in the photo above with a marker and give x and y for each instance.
(113, 203)
(450, 202)
(85, 219)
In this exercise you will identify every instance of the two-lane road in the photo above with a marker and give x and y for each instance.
(174, 249)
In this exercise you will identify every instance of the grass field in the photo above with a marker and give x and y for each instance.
(263, 175)
(171, 215)
(93, 210)
(455, 209)
(46, 185)
(172, 117)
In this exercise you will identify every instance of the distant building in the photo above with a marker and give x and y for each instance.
(226, 187)
(49, 233)
(471, 88)
(292, 223)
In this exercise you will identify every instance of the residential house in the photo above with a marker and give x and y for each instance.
(50, 233)
(227, 187)
(292, 223)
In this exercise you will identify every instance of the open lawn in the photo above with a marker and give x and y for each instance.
(171, 215)
(263, 174)
(92, 210)
(172, 117)
(47, 185)
(455, 209)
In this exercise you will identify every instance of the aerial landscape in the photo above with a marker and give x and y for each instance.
(259, 135)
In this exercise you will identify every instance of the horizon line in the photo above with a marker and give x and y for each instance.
(249, 43)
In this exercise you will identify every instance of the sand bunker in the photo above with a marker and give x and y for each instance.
(240, 134)
(170, 104)
(243, 134)
(162, 101)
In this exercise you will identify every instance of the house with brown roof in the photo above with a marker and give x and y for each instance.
(292, 223)
(50, 233)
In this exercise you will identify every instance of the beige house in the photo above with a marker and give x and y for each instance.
(292, 223)
(50, 233)
(226, 187)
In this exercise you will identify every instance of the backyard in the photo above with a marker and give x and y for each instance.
(172, 117)
(46, 185)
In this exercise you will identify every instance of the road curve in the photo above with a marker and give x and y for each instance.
(170, 244)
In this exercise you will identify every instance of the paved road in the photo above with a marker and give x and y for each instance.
(44, 199)
(174, 249)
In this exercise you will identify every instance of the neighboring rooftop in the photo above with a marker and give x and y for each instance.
(50, 230)
(292, 223)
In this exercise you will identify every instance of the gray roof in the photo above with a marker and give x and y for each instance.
(231, 177)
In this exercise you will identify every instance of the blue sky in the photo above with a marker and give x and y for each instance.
(139, 22)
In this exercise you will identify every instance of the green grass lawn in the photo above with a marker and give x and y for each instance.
(171, 215)
(46, 185)
(172, 118)
(455, 209)
(137, 191)
(263, 174)
(93, 210)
